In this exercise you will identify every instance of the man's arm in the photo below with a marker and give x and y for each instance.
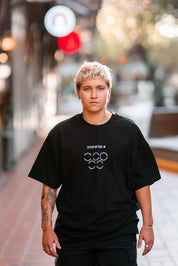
(48, 200)
(144, 199)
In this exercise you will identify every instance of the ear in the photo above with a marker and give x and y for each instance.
(109, 93)
(78, 93)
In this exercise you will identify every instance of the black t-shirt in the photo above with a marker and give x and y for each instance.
(98, 168)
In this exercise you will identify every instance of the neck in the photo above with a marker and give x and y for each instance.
(96, 118)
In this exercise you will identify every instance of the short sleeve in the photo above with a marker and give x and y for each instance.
(46, 166)
(144, 170)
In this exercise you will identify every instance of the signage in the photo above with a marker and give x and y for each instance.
(59, 21)
(70, 44)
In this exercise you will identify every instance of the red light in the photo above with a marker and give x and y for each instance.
(69, 44)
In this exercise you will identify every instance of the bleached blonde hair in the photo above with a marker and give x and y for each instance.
(93, 70)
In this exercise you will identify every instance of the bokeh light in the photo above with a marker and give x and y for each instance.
(123, 60)
(8, 44)
(3, 58)
(70, 44)
(167, 26)
(59, 55)
(5, 71)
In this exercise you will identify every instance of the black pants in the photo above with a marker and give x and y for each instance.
(101, 257)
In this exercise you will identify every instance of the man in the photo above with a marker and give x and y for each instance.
(103, 168)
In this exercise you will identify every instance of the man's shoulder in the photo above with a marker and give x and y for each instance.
(67, 123)
(124, 121)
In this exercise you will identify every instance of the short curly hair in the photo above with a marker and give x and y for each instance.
(93, 70)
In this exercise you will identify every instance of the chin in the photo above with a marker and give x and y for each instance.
(94, 110)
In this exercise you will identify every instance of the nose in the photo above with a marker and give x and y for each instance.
(93, 94)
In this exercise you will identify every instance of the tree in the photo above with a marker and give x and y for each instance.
(123, 25)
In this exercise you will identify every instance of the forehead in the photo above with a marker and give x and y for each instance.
(94, 82)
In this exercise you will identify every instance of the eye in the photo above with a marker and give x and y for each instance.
(101, 88)
(86, 89)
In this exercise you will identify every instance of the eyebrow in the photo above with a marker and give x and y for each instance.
(96, 86)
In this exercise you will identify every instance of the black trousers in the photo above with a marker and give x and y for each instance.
(122, 256)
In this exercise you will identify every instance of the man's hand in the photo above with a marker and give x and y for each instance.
(49, 238)
(147, 235)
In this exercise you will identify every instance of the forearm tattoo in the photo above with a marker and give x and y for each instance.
(48, 200)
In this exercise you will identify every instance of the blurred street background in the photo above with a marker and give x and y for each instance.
(42, 45)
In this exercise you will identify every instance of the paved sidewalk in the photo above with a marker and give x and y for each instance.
(20, 232)
(165, 211)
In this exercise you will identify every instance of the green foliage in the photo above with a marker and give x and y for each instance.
(121, 27)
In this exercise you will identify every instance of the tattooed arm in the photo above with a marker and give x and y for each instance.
(48, 200)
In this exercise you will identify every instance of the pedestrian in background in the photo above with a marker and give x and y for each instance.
(103, 167)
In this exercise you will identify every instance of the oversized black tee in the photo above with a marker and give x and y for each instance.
(98, 168)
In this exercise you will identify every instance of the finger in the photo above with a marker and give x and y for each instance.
(57, 243)
(53, 253)
(147, 249)
(140, 242)
(50, 251)
(46, 249)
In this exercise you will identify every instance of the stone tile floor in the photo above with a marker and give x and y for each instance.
(20, 233)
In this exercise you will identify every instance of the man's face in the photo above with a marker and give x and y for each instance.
(94, 94)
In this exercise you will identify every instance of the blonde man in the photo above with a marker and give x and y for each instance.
(103, 167)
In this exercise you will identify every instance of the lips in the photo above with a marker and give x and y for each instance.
(93, 102)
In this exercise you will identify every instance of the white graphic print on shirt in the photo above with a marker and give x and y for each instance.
(95, 159)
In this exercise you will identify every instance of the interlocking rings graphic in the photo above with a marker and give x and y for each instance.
(95, 160)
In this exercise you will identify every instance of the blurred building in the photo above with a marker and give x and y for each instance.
(28, 56)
